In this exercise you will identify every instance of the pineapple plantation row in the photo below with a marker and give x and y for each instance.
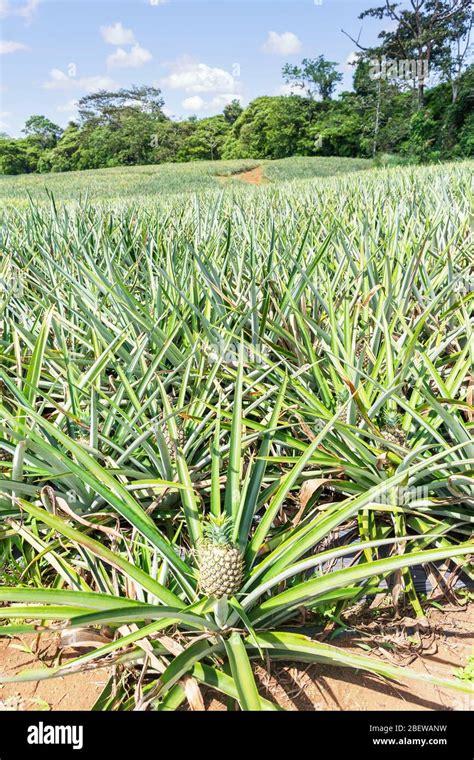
(201, 394)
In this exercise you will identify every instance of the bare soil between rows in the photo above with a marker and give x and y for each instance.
(250, 176)
(294, 686)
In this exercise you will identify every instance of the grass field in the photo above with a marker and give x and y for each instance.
(166, 179)
(294, 358)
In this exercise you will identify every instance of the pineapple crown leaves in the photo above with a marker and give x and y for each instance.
(342, 395)
(218, 530)
(391, 418)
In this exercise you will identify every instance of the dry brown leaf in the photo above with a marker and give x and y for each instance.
(396, 589)
(83, 638)
(130, 589)
(307, 490)
(173, 647)
(193, 693)
(370, 294)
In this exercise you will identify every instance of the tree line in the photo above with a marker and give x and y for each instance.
(390, 110)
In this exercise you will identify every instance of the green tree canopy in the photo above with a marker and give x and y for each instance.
(13, 157)
(206, 140)
(316, 77)
(105, 107)
(273, 127)
(434, 34)
(232, 111)
(42, 131)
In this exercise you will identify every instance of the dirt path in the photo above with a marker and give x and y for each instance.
(76, 692)
(320, 687)
(293, 686)
(251, 176)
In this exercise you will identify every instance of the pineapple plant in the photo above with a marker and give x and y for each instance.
(392, 429)
(171, 445)
(342, 395)
(308, 430)
(220, 563)
(352, 413)
(360, 351)
(148, 571)
(318, 425)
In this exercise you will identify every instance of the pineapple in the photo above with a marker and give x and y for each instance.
(392, 430)
(342, 395)
(168, 440)
(219, 561)
(360, 350)
(352, 412)
(318, 425)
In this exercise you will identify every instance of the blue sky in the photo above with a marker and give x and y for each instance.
(200, 53)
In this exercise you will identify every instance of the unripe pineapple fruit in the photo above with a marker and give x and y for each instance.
(181, 440)
(360, 350)
(392, 430)
(220, 562)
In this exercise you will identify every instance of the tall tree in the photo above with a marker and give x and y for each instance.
(13, 157)
(274, 127)
(232, 111)
(105, 107)
(42, 131)
(427, 32)
(206, 140)
(316, 77)
(454, 58)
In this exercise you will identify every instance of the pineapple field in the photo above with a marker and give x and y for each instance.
(231, 418)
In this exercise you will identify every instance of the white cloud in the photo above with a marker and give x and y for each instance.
(351, 59)
(28, 10)
(219, 101)
(116, 34)
(92, 84)
(60, 81)
(289, 89)
(9, 46)
(24, 10)
(285, 43)
(194, 103)
(195, 78)
(122, 59)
